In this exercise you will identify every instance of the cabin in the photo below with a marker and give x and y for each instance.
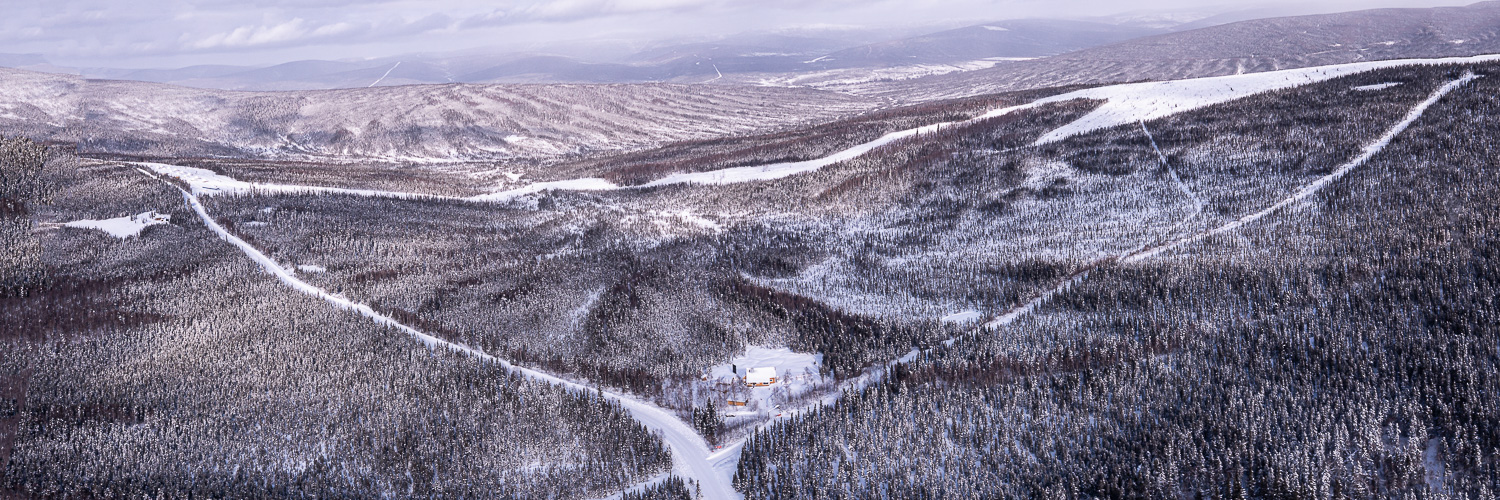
(736, 402)
(761, 377)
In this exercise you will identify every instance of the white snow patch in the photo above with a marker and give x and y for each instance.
(996, 28)
(788, 364)
(123, 227)
(207, 182)
(1044, 175)
(1378, 86)
(780, 170)
(963, 316)
(586, 184)
(311, 268)
(1134, 102)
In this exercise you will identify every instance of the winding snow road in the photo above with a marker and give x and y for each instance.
(691, 457)
(689, 450)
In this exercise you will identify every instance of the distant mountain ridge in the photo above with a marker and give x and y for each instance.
(412, 123)
(1241, 47)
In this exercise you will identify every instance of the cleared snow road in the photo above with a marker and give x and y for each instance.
(689, 451)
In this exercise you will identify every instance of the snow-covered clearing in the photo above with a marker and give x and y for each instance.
(964, 316)
(689, 450)
(1311, 188)
(796, 374)
(788, 364)
(207, 182)
(1135, 102)
(123, 227)
(637, 488)
(1378, 86)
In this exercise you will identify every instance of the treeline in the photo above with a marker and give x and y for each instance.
(29, 174)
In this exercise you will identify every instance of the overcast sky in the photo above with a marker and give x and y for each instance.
(173, 33)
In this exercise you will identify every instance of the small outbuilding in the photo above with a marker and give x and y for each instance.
(761, 377)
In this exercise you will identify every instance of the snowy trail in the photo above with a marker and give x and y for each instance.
(689, 450)
(1305, 191)
(387, 73)
(1197, 203)
(206, 182)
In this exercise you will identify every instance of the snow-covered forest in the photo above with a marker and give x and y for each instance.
(1279, 284)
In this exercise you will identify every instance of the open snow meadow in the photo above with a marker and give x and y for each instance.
(1026, 258)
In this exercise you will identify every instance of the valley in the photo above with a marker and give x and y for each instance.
(1176, 281)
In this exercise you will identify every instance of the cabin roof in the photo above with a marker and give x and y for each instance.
(762, 375)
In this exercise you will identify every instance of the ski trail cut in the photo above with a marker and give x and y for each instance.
(387, 73)
(689, 451)
(1167, 165)
(1312, 188)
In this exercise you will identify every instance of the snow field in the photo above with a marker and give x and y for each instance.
(1135, 102)
(123, 227)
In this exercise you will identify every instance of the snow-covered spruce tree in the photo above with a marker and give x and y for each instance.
(22, 185)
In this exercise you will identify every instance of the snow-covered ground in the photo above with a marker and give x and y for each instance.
(690, 454)
(1126, 104)
(1378, 86)
(1136, 102)
(123, 227)
(962, 316)
(789, 364)
(796, 374)
(1317, 185)
(208, 182)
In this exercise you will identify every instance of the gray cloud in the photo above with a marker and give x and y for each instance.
(181, 32)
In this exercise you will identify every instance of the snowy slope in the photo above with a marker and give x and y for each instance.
(418, 123)
(1136, 102)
